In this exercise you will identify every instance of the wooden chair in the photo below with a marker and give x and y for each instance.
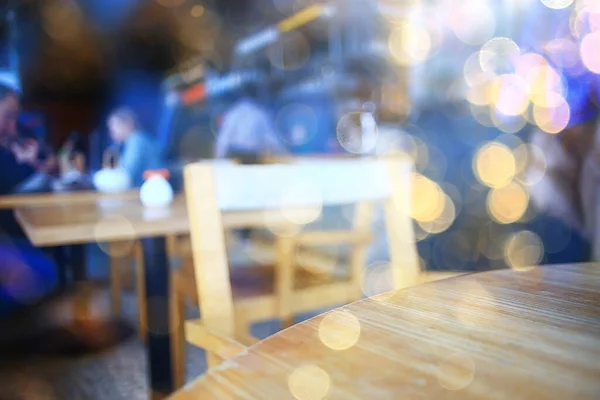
(228, 306)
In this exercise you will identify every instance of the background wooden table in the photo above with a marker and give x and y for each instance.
(495, 335)
(88, 218)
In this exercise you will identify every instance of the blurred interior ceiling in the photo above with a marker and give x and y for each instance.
(71, 49)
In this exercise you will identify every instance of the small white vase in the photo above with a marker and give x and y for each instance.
(156, 192)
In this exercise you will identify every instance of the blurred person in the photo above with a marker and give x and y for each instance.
(247, 131)
(139, 152)
(26, 274)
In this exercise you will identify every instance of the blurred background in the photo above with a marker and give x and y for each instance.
(472, 90)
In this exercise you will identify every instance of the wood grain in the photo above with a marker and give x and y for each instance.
(109, 219)
(493, 335)
(49, 199)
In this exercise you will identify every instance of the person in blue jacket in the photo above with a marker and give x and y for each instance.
(26, 274)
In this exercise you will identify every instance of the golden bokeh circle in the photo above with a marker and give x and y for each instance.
(507, 204)
(309, 382)
(523, 251)
(494, 165)
(339, 330)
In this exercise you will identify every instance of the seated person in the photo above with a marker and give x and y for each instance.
(26, 274)
(139, 152)
(247, 131)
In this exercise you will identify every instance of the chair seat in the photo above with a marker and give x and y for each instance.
(252, 281)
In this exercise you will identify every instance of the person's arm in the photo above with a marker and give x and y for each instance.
(224, 136)
(13, 174)
(132, 157)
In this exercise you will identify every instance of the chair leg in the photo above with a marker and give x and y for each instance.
(115, 285)
(177, 336)
(141, 292)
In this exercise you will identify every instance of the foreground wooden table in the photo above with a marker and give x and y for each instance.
(89, 218)
(494, 335)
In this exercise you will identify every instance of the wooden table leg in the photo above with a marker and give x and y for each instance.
(157, 300)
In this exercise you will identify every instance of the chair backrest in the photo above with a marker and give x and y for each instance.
(215, 188)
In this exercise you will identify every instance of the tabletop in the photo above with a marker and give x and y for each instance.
(493, 335)
(45, 199)
(104, 218)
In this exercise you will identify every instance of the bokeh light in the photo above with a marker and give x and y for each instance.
(290, 53)
(456, 371)
(492, 238)
(105, 228)
(533, 160)
(508, 204)
(499, 55)
(523, 251)
(473, 22)
(589, 51)
(357, 134)
(428, 201)
(309, 382)
(377, 279)
(197, 11)
(557, 4)
(443, 221)
(510, 96)
(410, 44)
(339, 330)
(494, 165)
(553, 119)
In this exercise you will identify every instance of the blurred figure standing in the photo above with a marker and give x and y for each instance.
(139, 152)
(248, 130)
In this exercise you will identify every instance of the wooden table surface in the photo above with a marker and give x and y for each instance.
(112, 218)
(48, 199)
(494, 335)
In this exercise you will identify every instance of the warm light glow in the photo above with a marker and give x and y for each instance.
(197, 11)
(443, 221)
(482, 94)
(427, 199)
(544, 85)
(510, 94)
(553, 119)
(557, 4)
(589, 51)
(508, 204)
(309, 382)
(339, 330)
(409, 44)
(456, 371)
(473, 22)
(524, 251)
(494, 165)
(499, 55)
